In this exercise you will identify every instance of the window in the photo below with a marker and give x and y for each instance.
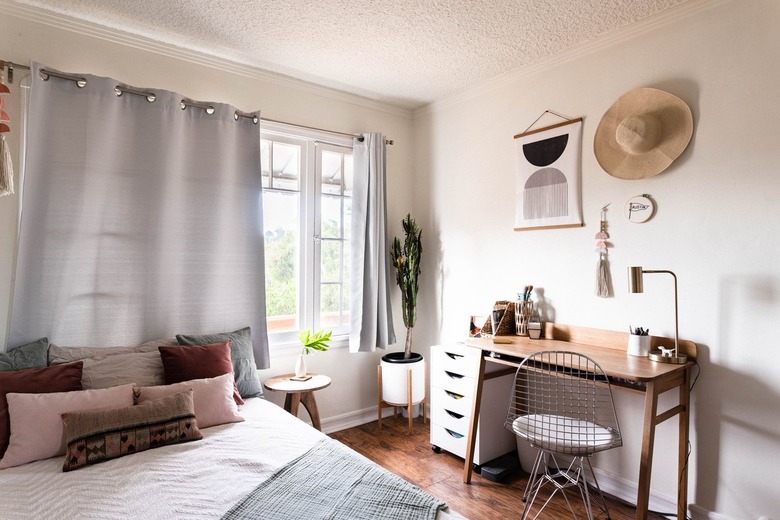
(307, 208)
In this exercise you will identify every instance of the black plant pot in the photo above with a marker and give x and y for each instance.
(398, 357)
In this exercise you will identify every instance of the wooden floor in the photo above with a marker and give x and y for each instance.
(441, 475)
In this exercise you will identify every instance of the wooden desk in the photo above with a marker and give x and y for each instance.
(636, 374)
(300, 392)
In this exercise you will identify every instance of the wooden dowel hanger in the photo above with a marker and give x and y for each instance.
(4, 117)
(11, 66)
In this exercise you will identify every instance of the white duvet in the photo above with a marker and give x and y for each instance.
(200, 479)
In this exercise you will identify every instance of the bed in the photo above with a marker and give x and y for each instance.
(206, 478)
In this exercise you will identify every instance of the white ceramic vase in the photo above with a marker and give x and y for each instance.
(300, 366)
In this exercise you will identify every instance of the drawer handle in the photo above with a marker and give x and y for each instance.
(453, 395)
(453, 414)
(454, 356)
(453, 434)
(453, 375)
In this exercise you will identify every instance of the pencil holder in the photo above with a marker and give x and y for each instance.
(638, 345)
(523, 312)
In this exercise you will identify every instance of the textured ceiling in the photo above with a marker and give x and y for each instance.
(406, 52)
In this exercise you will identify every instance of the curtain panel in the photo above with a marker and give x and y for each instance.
(140, 219)
(371, 314)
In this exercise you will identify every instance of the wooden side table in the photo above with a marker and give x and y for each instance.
(299, 392)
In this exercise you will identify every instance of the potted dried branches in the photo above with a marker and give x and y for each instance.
(405, 258)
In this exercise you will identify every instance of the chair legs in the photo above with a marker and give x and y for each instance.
(570, 476)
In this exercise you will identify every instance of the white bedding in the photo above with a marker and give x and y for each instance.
(200, 479)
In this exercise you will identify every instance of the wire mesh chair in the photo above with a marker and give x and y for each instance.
(561, 403)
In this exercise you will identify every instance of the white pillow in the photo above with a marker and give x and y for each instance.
(213, 397)
(36, 425)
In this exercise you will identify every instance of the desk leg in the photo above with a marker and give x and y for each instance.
(684, 424)
(648, 440)
(472, 437)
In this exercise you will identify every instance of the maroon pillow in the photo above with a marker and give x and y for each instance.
(60, 378)
(187, 362)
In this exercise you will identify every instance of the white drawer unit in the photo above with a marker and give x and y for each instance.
(453, 375)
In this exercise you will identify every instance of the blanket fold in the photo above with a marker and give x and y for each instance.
(330, 481)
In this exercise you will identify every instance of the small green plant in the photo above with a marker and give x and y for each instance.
(319, 340)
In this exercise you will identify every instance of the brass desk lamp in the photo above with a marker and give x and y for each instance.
(662, 354)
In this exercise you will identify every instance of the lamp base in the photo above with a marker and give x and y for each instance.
(658, 356)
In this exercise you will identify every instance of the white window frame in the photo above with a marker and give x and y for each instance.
(312, 143)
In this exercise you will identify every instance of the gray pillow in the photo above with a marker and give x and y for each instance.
(241, 354)
(59, 355)
(31, 355)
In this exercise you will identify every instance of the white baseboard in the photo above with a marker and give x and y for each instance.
(699, 513)
(626, 490)
(356, 418)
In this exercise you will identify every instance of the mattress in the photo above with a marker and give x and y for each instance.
(195, 480)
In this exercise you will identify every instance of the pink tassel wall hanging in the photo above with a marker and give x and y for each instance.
(603, 279)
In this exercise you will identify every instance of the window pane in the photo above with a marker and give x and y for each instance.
(332, 306)
(331, 172)
(330, 217)
(348, 175)
(347, 219)
(282, 238)
(265, 160)
(331, 261)
(287, 166)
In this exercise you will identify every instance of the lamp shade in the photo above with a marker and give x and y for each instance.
(635, 280)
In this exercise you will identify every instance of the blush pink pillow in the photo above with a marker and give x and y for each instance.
(63, 378)
(36, 425)
(213, 398)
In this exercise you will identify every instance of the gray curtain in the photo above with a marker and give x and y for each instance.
(140, 219)
(371, 315)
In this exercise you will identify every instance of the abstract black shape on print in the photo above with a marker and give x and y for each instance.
(547, 151)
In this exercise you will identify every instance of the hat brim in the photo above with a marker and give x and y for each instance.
(676, 122)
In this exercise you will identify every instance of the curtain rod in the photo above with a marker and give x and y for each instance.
(357, 136)
(151, 97)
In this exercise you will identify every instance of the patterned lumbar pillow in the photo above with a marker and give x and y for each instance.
(101, 435)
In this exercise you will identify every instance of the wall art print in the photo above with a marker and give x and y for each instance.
(548, 189)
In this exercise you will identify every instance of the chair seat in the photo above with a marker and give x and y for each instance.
(563, 434)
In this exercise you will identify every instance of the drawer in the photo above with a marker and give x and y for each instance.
(452, 381)
(449, 400)
(454, 421)
(458, 359)
(450, 440)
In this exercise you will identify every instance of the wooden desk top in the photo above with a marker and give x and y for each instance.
(607, 348)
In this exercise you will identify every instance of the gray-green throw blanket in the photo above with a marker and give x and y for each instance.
(330, 481)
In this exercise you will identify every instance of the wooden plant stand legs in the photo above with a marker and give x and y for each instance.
(381, 405)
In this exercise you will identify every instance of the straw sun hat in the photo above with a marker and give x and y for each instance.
(642, 133)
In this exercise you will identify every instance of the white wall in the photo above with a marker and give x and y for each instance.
(354, 375)
(716, 227)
